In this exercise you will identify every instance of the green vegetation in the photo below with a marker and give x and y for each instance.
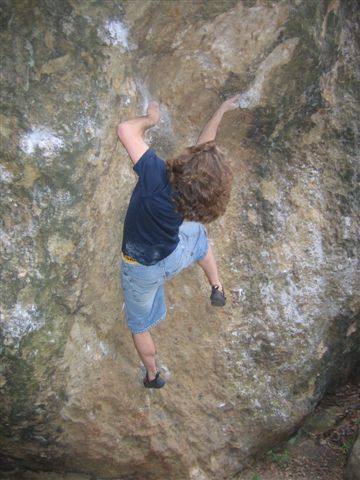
(281, 458)
(347, 445)
(256, 476)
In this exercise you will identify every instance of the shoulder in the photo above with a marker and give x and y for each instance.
(152, 173)
(149, 159)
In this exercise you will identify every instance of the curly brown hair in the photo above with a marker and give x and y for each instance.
(201, 180)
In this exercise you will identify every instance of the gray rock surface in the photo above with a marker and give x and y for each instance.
(353, 466)
(239, 378)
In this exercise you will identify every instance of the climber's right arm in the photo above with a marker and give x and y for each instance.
(209, 131)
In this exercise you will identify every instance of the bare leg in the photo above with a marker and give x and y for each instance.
(146, 349)
(208, 264)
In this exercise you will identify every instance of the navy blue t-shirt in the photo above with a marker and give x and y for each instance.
(151, 223)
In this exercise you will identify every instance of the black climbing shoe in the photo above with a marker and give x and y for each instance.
(217, 296)
(157, 382)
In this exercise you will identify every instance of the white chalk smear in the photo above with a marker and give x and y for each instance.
(115, 32)
(20, 320)
(43, 138)
(165, 123)
(281, 55)
(5, 175)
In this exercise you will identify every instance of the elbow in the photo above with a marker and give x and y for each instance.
(122, 129)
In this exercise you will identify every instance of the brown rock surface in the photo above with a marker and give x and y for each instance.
(353, 466)
(241, 378)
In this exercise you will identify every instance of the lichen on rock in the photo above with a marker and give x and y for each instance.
(242, 378)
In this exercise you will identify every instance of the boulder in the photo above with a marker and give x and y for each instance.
(352, 471)
(241, 378)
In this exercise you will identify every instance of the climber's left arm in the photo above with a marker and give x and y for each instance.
(131, 136)
(131, 132)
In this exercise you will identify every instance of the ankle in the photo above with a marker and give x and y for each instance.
(218, 284)
(151, 374)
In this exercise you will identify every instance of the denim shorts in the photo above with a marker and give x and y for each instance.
(143, 285)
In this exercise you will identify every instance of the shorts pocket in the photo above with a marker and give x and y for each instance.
(142, 278)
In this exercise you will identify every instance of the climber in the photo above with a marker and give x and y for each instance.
(164, 228)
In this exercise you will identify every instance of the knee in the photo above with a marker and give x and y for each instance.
(205, 256)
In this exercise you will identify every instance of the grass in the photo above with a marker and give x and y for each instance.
(346, 446)
(281, 459)
(256, 476)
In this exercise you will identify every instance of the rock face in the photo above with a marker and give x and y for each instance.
(352, 471)
(240, 378)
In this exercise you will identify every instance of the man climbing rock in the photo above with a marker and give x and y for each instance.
(164, 228)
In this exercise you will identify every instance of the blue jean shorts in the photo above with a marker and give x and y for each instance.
(143, 285)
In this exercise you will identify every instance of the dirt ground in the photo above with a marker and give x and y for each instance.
(320, 448)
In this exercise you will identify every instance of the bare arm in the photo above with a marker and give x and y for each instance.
(209, 131)
(131, 132)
